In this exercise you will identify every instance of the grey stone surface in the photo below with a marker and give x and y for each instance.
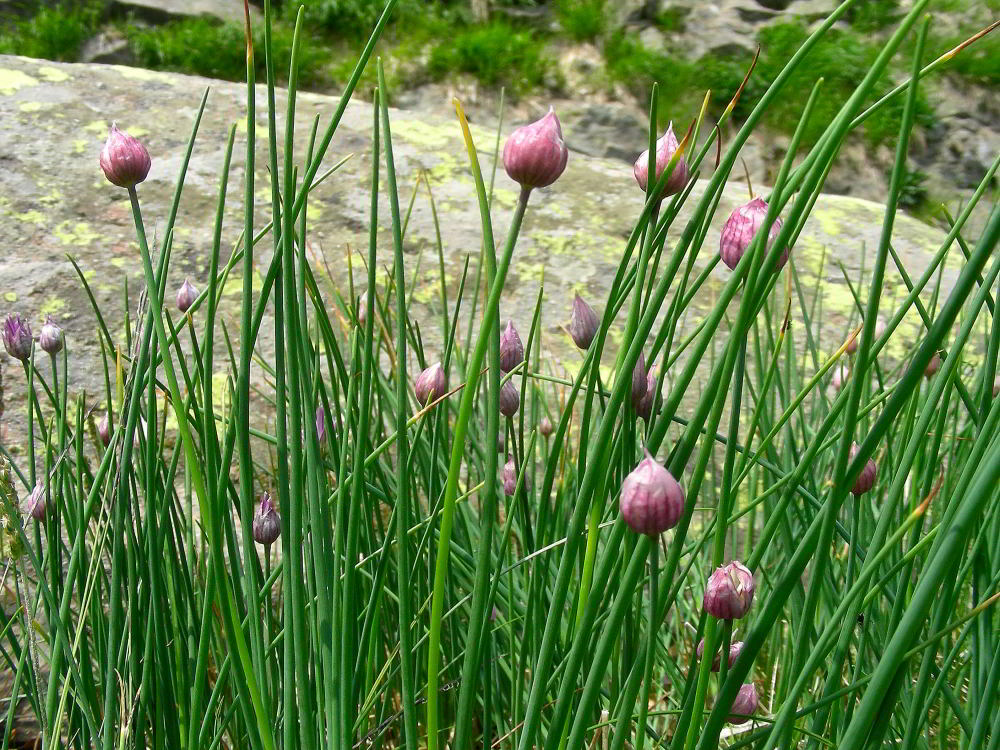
(167, 10)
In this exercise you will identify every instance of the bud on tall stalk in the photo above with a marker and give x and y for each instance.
(840, 375)
(639, 383)
(535, 155)
(729, 592)
(124, 159)
(509, 476)
(545, 427)
(866, 479)
(933, 366)
(104, 429)
(583, 323)
(35, 505)
(652, 501)
(51, 337)
(186, 295)
(739, 230)
(511, 348)
(430, 384)
(321, 426)
(644, 408)
(17, 338)
(266, 525)
(745, 704)
(734, 652)
(510, 399)
(666, 147)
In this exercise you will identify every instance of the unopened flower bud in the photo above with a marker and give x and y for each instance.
(430, 384)
(744, 705)
(729, 592)
(511, 348)
(509, 477)
(852, 344)
(104, 429)
(734, 651)
(866, 479)
(51, 337)
(933, 366)
(186, 296)
(545, 427)
(739, 230)
(124, 159)
(17, 337)
(666, 147)
(639, 381)
(362, 314)
(583, 323)
(840, 375)
(266, 521)
(321, 426)
(644, 407)
(510, 399)
(535, 155)
(35, 505)
(652, 501)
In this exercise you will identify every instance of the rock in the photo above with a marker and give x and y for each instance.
(54, 201)
(616, 131)
(160, 11)
(109, 46)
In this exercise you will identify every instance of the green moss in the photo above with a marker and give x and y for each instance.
(53, 33)
(582, 20)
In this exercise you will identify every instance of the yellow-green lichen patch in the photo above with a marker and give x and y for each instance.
(53, 75)
(75, 233)
(12, 80)
(29, 107)
(31, 217)
(97, 126)
(10, 296)
(419, 133)
(52, 305)
(504, 198)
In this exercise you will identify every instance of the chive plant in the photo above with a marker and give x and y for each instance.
(364, 542)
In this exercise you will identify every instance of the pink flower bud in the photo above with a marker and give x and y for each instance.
(666, 147)
(734, 652)
(104, 429)
(186, 296)
(933, 366)
(510, 399)
(35, 505)
(652, 501)
(639, 381)
(644, 408)
(51, 337)
(840, 375)
(744, 705)
(866, 479)
(740, 228)
(124, 159)
(17, 337)
(509, 477)
(266, 521)
(430, 384)
(545, 427)
(880, 329)
(321, 426)
(583, 323)
(852, 344)
(362, 314)
(729, 592)
(535, 155)
(511, 348)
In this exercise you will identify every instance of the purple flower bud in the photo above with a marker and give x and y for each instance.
(729, 592)
(35, 505)
(494, 614)
(510, 399)
(639, 381)
(51, 336)
(852, 344)
(124, 159)
(644, 407)
(583, 323)
(880, 329)
(509, 476)
(545, 427)
(535, 155)
(362, 314)
(17, 337)
(104, 429)
(666, 147)
(744, 705)
(186, 296)
(511, 348)
(321, 426)
(430, 384)
(266, 521)
(652, 501)
(740, 228)
(933, 366)
(734, 651)
(866, 479)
